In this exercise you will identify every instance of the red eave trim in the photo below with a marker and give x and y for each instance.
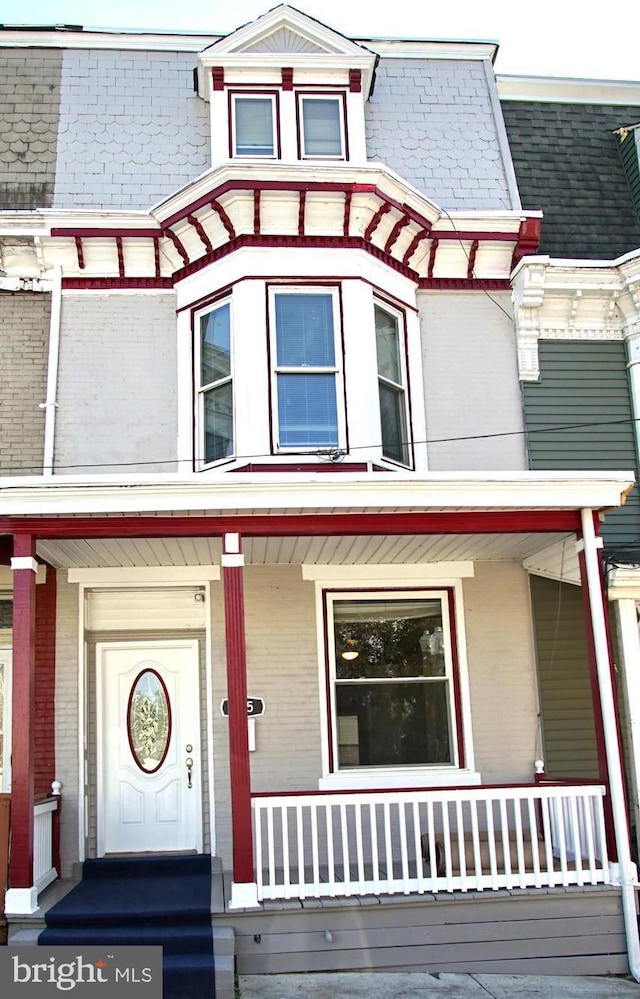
(107, 233)
(315, 242)
(464, 284)
(100, 283)
(307, 525)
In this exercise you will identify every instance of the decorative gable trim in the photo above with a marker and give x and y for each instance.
(286, 35)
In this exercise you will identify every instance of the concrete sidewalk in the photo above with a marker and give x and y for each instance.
(375, 985)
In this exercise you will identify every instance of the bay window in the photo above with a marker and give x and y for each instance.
(215, 389)
(306, 376)
(322, 127)
(391, 385)
(391, 680)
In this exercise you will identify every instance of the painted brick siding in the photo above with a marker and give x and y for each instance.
(502, 675)
(132, 130)
(24, 337)
(117, 395)
(433, 122)
(29, 97)
(282, 667)
(67, 763)
(567, 163)
(472, 395)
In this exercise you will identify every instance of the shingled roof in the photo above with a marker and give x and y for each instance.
(567, 164)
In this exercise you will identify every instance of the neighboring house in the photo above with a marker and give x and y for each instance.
(263, 439)
(575, 153)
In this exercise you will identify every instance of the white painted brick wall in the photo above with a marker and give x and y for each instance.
(502, 672)
(472, 394)
(432, 121)
(117, 394)
(132, 130)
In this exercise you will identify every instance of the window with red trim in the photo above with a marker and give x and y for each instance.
(391, 670)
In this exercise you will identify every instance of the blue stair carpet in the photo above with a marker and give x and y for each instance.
(163, 900)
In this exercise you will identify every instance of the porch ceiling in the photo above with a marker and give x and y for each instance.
(323, 550)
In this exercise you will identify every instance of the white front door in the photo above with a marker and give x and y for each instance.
(149, 764)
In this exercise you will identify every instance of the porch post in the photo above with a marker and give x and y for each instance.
(22, 896)
(607, 694)
(244, 890)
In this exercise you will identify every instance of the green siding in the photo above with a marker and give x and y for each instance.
(579, 417)
(564, 683)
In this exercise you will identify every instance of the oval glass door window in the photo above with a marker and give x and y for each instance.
(149, 721)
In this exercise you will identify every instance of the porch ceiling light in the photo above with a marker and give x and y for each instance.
(350, 650)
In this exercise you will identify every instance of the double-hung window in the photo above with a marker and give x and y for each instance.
(322, 127)
(391, 385)
(392, 679)
(306, 376)
(215, 389)
(254, 125)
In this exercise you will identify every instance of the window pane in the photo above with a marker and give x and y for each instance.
(386, 639)
(254, 126)
(215, 345)
(304, 330)
(392, 419)
(321, 124)
(388, 346)
(307, 411)
(218, 422)
(398, 724)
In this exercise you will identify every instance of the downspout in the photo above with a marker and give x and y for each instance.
(50, 404)
(616, 787)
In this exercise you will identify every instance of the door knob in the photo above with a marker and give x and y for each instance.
(189, 765)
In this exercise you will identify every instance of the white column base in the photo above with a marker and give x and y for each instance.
(21, 901)
(244, 895)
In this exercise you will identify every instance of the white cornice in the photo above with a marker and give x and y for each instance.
(94, 39)
(398, 48)
(331, 492)
(573, 300)
(568, 91)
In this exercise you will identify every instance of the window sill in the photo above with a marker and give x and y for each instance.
(381, 779)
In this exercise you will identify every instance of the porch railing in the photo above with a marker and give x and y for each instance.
(45, 816)
(329, 844)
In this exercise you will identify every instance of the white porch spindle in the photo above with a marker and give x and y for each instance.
(457, 839)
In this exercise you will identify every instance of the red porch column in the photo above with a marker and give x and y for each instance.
(22, 895)
(244, 892)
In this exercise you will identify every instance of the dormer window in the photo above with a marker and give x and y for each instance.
(286, 87)
(322, 126)
(254, 119)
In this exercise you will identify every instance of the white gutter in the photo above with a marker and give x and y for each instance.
(52, 372)
(612, 745)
